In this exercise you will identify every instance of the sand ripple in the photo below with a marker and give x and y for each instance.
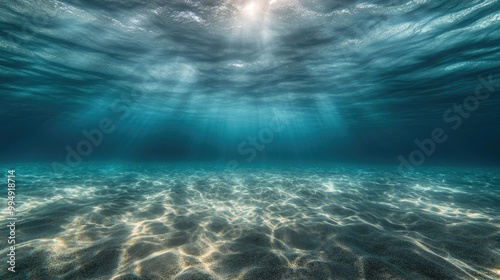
(183, 222)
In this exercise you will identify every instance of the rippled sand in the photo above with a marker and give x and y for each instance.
(182, 222)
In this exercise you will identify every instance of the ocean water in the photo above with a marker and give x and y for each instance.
(250, 139)
(190, 221)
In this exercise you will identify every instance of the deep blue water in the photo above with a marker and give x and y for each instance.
(252, 139)
(351, 80)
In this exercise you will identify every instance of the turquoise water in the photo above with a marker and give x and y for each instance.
(346, 80)
(251, 139)
(153, 221)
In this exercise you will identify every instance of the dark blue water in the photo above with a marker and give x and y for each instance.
(357, 81)
(264, 139)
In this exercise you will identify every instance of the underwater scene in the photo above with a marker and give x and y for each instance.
(250, 139)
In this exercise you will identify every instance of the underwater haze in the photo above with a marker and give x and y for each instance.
(352, 80)
(251, 139)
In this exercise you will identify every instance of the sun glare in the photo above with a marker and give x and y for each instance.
(250, 10)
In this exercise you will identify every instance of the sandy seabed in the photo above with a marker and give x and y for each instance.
(300, 222)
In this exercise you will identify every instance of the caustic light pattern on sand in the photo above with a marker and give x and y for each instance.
(325, 222)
